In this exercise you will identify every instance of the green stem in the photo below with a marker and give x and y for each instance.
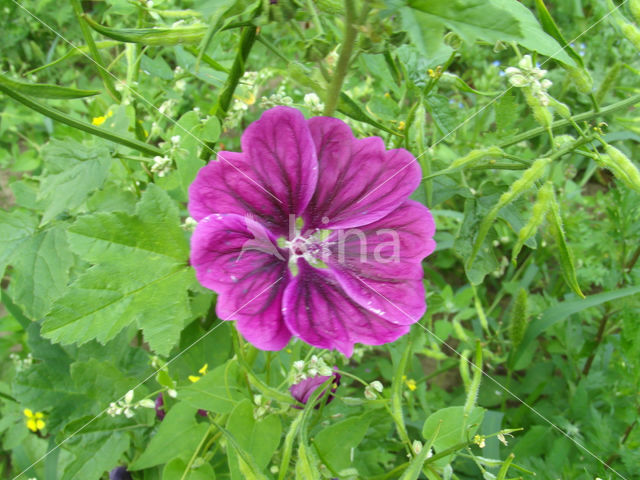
(350, 35)
(396, 397)
(94, 52)
(195, 453)
(316, 18)
(80, 125)
(534, 132)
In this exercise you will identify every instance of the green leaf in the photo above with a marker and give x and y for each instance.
(140, 276)
(552, 29)
(79, 171)
(532, 35)
(260, 438)
(15, 228)
(350, 432)
(95, 454)
(179, 434)
(485, 261)
(472, 19)
(40, 272)
(561, 311)
(45, 90)
(414, 469)
(449, 427)
(217, 391)
(174, 470)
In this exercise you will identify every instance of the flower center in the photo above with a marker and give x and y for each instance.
(312, 246)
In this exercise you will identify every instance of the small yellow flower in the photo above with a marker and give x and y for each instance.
(34, 420)
(97, 121)
(410, 383)
(401, 125)
(202, 371)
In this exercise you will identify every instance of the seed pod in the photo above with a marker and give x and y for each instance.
(564, 251)
(620, 165)
(519, 315)
(632, 33)
(161, 36)
(541, 113)
(538, 212)
(533, 173)
(475, 156)
(582, 80)
(560, 107)
(608, 82)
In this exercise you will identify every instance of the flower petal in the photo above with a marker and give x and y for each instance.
(378, 265)
(238, 258)
(360, 181)
(318, 310)
(273, 178)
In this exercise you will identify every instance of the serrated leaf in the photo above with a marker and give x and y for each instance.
(40, 271)
(15, 228)
(96, 454)
(79, 171)
(140, 277)
(485, 261)
(472, 19)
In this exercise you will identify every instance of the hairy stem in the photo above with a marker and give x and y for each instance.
(350, 35)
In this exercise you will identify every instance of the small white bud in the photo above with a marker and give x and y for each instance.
(128, 397)
(377, 386)
(147, 403)
(172, 393)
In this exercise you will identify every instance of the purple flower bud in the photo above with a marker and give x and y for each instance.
(303, 391)
(119, 473)
(202, 413)
(160, 413)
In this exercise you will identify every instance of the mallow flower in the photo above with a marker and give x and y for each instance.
(304, 389)
(309, 233)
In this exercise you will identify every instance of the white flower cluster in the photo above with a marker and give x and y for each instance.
(312, 101)
(371, 389)
(525, 75)
(161, 165)
(21, 364)
(314, 367)
(126, 407)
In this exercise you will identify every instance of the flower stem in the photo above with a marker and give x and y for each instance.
(350, 35)
(534, 132)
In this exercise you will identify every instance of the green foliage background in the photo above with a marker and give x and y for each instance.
(107, 111)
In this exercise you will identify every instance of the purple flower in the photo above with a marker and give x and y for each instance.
(303, 390)
(160, 413)
(309, 232)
